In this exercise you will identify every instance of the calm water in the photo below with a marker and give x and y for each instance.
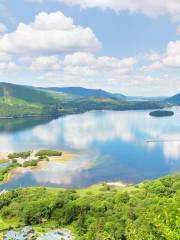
(110, 146)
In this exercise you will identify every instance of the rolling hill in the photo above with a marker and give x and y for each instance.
(174, 99)
(85, 92)
(26, 101)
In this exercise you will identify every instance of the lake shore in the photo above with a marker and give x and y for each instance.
(20, 168)
(119, 184)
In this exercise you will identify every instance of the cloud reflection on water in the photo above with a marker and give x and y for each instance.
(95, 132)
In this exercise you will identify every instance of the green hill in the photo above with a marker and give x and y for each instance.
(19, 101)
(174, 99)
(148, 211)
(23, 101)
(86, 92)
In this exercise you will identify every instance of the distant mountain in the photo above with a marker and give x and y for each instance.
(174, 99)
(85, 92)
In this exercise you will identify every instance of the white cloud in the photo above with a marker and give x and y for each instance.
(172, 150)
(149, 8)
(46, 63)
(172, 56)
(155, 66)
(4, 56)
(85, 64)
(3, 28)
(152, 56)
(8, 66)
(48, 34)
(178, 30)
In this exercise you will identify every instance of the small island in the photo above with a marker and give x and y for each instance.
(161, 113)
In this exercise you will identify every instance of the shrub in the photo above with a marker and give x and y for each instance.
(44, 153)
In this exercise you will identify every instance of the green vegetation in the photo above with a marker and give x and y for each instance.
(48, 152)
(161, 113)
(41, 155)
(31, 163)
(6, 171)
(23, 101)
(148, 211)
(23, 155)
(2, 161)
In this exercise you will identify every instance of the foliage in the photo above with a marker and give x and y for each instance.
(31, 163)
(48, 152)
(148, 211)
(23, 101)
(23, 155)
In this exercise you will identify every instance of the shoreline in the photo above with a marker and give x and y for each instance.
(119, 184)
(80, 112)
(18, 170)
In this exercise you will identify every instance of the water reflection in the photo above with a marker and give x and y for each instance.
(129, 146)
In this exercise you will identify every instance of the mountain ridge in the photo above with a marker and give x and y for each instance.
(174, 99)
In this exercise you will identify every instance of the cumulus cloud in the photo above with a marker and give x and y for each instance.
(152, 56)
(4, 56)
(178, 30)
(49, 33)
(172, 56)
(3, 28)
(46, 63)
(86, 64)
(155, 66)
(147, 7)
(8, 66)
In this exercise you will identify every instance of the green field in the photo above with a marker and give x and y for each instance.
(148, 211)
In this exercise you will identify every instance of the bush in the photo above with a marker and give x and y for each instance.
(44, 153)
(23, 155)
(31, 163)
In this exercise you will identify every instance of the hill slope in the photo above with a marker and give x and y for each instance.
(147, 211)
(174, 99)
(20, 101)
(23, 101)
(85, 92)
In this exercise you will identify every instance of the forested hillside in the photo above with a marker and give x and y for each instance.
(23, 101)
(174, 99)
(148, 211)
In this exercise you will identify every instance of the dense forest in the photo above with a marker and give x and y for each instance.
(148, 211)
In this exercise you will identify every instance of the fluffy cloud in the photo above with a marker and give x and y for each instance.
(147, 7)
(49, 33)
(152, 56)
(178, 30)
(172, 56)
(4, 56)
(85, 64)
(152, 67)
(46, 63)
(2, 28)
(8, 66)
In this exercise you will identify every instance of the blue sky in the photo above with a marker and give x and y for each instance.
(131, 47)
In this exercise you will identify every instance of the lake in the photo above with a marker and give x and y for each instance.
(110, 146)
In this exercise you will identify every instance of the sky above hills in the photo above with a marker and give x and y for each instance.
(126, 46)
